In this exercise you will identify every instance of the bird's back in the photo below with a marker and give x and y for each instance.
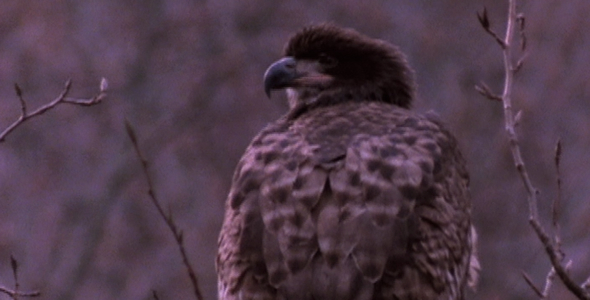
(351, 201)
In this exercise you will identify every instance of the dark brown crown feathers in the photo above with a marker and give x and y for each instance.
(364, 63)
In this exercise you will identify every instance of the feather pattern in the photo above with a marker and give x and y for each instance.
(348, 199)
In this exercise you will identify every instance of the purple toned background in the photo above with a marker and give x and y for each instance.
(188, 75)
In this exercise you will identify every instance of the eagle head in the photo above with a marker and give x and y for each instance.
(324, 64)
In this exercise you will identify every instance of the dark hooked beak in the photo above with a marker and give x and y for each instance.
(280, 74)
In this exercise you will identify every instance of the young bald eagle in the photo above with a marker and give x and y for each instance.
(350, 195)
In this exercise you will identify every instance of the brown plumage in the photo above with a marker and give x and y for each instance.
(349, 195)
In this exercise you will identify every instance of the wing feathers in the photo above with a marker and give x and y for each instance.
(342, 281)
(337, 215)
(287, 199)
(378, 211)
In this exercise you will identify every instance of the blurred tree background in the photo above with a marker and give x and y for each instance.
(188, 75)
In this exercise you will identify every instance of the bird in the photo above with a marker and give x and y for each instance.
(350, 194)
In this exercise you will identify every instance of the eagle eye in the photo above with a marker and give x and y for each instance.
(327, 61)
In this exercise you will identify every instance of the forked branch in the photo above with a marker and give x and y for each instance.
(168, 219)
(25, 115)
(552, 247)
(16, 292)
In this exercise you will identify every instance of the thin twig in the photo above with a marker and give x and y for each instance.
(16, 293)
(577, 290)
(520, 19)
(549, 282)
(551, 249)
(517, 118)
(486, 24)
(176, 232)
(155, 295)
(555, 205)
(529, 281)
(14, 267)
(484, 90)
(62, 98)
(509, 115)
(557, 201)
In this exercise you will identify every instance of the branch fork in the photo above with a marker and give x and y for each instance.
(552, 246)
(25, 115)
(16, 293)
(167, 216)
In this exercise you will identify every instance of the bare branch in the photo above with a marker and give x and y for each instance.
(517, 118)
(549, 282)
(551, 248)
(25, 115)
(520, 19)
(519, 63)
(509, 114)
(168, 219)
(484, 90)
(14, 267)
(557, 200)
(529, 281)
(577, 290)
(104, 85)
(16, 293)
(485, 23)
(23, 104)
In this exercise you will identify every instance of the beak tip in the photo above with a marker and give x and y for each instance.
(279, 75)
